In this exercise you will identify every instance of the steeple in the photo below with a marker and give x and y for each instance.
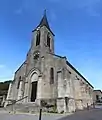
(44, 22)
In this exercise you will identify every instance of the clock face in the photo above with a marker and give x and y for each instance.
(36, 56)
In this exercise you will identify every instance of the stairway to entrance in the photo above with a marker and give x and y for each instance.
(18, 106)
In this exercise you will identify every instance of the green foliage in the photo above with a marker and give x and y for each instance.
(54, 110)
(4, 85)
(62, 112)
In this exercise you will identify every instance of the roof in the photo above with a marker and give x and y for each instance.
(44, 22)
(78, 73)
(97, 90)
(69, 64)
(20, 67)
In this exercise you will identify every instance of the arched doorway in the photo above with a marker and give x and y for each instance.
(34, 82)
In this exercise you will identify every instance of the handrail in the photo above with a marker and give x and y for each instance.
(22, 98)
(15, 101)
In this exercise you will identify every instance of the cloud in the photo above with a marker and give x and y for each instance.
(89, 6)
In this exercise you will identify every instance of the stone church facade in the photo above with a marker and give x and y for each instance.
(49, 79)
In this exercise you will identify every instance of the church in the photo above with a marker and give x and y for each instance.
(46, 79)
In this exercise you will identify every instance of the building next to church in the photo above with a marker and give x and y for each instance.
(97, 96)
(49, 79)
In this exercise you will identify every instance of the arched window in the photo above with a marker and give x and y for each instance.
(18, 82)
(48, 40)
(38, 38)
(51, 76)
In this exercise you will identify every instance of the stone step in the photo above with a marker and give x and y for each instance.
(24, 107)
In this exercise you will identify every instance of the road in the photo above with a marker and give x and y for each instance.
(83, 115)
(10, 116)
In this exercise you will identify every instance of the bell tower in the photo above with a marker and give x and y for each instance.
(43, 37)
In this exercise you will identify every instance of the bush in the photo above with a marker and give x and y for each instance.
(62, 112)
(4, 85)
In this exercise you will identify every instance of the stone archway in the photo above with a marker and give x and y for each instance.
(34, 83)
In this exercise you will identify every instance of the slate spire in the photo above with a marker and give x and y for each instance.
(44, 22)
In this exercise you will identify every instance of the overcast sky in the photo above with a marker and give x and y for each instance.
(77, 25)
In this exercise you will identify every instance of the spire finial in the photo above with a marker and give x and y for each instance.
(45, 12)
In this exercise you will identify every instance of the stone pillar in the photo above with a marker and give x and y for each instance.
(8, 94)
(72, 105)
(26, 92)
(61, 92)
(71, 87)
(39, 86)
(78, 94)
(73, 80)
(85, 97)
(67, 92)
(20, 92)
(61, 105)
(91, 96)
(3, 101)
(42, 64)
(65, 107)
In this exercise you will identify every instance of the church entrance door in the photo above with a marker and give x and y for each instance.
(34, 91)
(34, 82)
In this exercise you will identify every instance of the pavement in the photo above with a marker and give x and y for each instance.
(95, 114)
(27, 116)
